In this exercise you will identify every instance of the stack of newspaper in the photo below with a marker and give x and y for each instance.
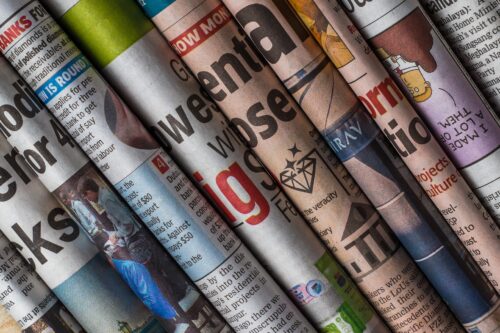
(250, 166)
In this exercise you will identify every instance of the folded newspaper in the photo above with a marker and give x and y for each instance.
(471, 27)
(54, 244)
(27, 299)
(293, 181)
(365, 74)
(162, 197)
(62, 167)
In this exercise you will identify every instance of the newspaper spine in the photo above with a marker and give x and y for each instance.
(49, 60)
(471, 28)
(195, 55)
(452, 106)
(357, 141)
(372, 163)
(364, 72)
(459, 22)
(51, 241)
(160, 194)
(27, 299)
(171, 100)
(447, 188)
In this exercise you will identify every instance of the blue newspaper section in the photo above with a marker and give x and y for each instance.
(153, 7)
(427, 244)
(102, 298)
(63, 78)
(197, 250)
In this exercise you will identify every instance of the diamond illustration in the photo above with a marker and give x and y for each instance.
(299, 175)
